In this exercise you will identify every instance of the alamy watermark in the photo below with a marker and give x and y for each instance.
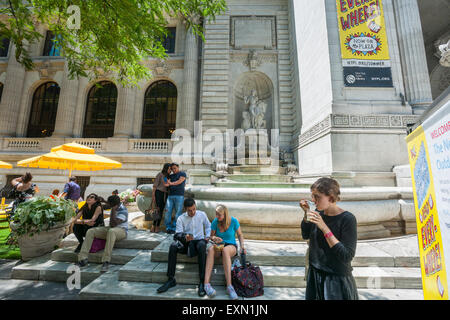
(234, 146)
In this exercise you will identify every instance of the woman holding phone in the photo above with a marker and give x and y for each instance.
(223, 233)
(332, 236)
(160, 192)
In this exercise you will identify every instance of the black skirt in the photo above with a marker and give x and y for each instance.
(321, 285)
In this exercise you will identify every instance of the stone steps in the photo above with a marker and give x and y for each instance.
(108, 286)
(234, 184)
(118, 256)
(44, 269)
(258, 178)
(136, 239)
(142, 269)
(282, 253)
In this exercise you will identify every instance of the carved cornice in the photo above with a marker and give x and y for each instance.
(48, 68)
(343, 121)
(163, 68)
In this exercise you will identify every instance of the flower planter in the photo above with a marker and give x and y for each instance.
(40, 243)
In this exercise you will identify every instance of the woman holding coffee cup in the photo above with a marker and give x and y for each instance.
(223, 232)
(332, 236)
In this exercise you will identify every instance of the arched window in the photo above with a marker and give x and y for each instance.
(100, 111)
(160, 108)
(43, 110)
(1, 91)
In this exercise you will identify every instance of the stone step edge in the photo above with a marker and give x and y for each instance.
(363, 277)
(118, 255)
(108, 286)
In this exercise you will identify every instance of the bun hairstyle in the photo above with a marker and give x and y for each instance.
(27, 177)
(328, 187)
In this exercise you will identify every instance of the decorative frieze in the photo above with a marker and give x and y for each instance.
(47, 68)
(163, 68)
(354, 122)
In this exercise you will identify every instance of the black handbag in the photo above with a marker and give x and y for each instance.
(153, 213)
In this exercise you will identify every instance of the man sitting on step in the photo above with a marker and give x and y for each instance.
(117, 230)
(192, 233)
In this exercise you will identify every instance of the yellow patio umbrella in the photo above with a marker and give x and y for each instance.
(72, 156)
(5, 165)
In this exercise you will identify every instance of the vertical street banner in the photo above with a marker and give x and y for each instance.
(429, 158)
(364, 45)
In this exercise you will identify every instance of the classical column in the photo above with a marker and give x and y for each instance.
(123, 125)
(412, 54)
(11, 96)
(67, 104)
(188, 104)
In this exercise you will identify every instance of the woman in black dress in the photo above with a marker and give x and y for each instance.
(332, 244)
(92, 212)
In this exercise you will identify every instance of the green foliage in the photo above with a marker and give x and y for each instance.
(40, 214)
(113, 36)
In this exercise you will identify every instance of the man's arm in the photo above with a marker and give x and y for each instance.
(113, 220)
(179, 181)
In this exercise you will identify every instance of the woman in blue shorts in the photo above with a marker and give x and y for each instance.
(223, 233)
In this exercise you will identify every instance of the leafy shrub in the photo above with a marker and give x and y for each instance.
(41, 214)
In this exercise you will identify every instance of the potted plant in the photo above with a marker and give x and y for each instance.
(128, 197)
(39, 224)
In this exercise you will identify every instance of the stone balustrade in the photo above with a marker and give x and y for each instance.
(150, 145)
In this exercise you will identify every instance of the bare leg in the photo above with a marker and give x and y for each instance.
(227, 253)
(209, 263)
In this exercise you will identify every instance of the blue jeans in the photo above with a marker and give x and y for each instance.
(173, 202)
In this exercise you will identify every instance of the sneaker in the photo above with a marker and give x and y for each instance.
(82, 263)
(78, 249)
(105, 267)
(233, 295)
(210, 290)
(166, 286)
(201, 290)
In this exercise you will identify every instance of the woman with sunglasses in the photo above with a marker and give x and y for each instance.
(92, 212)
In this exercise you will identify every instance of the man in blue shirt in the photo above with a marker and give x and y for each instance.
(72, 190)
(176, 183)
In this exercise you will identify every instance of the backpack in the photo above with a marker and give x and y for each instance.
(247, 280)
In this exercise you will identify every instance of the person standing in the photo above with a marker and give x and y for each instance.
(192, 233)
(159, 195)
(176, 183)
(117, 230)
(332, 244)
(72, 190)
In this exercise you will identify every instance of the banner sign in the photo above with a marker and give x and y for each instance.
(364, 46)
(429, 158)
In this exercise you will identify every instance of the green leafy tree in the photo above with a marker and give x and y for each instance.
(102, 36)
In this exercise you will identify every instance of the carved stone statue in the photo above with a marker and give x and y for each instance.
(256, 111)
(246, 121)
(445, 54)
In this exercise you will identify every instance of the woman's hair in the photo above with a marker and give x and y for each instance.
(225, 224)
(55, 192)
(328, 187)
(165, 169)
(98, 201)
(27, 177)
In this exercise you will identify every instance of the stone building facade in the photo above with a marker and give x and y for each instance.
(286, 50)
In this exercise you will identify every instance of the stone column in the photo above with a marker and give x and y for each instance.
(11, 96)
(189, 100)
(412, 54)
(65, 116)
(123, 126)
